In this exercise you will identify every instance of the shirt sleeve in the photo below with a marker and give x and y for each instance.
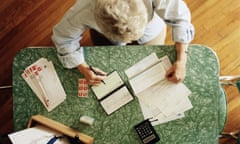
(66, 37)
(176, 14)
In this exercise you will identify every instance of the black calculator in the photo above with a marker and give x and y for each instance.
(146, 132)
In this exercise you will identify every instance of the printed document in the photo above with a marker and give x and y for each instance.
(160, 100)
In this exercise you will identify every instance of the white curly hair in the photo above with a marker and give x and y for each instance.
(121, 20)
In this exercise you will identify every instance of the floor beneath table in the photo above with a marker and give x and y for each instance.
(29, 23)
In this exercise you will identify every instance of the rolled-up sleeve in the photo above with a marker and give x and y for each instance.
(66, 38)
(176, 14)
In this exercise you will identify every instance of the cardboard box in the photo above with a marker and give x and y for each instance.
(39, 119)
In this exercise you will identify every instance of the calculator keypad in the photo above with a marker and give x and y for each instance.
(146, 132)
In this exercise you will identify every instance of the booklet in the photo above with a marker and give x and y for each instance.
(113, 93)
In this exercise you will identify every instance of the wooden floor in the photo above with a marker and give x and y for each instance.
(29, 23)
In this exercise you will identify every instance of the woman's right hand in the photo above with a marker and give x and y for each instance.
(91, 77)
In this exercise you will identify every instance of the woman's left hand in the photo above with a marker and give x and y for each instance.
(177, 72)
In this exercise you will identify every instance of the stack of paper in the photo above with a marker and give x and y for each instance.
(41, 76)
(161, 101)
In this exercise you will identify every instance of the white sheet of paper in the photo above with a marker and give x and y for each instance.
(169, 97)
(141, 65)
(155, 115)
(112, 82)
(148, 78)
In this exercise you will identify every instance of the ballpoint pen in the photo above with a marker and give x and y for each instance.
(96, 73)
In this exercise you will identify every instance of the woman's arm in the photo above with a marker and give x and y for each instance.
(178, 71)
(177, 15)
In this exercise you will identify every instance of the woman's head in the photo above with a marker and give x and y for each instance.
(121, 20)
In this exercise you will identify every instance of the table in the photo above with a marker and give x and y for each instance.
(200, 124)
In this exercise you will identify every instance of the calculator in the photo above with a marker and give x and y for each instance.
(146, 132)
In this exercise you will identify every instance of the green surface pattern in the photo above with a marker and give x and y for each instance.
(199, 126)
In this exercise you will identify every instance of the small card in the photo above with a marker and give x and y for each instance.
(82, 88)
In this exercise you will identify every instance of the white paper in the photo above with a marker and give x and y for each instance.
(36, 135)
(160, 99)
(112, 82)
(155, 115)
(116, 100)
(168, 97)
(141, 65)
(148, 78)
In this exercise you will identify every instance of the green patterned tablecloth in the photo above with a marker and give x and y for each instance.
(199, 126)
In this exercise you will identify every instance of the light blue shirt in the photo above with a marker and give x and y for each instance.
(68, 32)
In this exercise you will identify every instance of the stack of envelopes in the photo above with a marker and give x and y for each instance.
(42, 78)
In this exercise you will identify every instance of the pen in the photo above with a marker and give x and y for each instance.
(151, 119)
(96, 73)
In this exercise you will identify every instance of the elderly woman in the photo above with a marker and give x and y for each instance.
(121, 22)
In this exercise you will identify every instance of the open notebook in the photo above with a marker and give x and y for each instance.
(160, 100)
(113, 93)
